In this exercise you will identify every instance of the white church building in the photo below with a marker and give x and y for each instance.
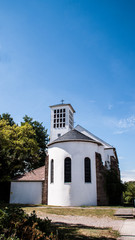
(74, 169)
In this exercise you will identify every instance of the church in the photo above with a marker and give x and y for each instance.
(75, 167)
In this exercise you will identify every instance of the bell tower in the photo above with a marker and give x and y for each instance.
(62, 120)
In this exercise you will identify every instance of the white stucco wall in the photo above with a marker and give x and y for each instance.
(108, 149)
(77, 192)
(55, 131)
(26, 192)
(108, 153)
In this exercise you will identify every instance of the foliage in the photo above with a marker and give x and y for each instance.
(18, 149)
(41, 137)
(4, 192)
(129, 193)
(22, 148)
(7, 117)
(114, 187)
(15, 224)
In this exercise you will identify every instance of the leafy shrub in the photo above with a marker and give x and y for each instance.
(129, 193)
(15, 224)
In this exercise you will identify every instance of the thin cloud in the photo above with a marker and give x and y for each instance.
(121, 157)
(127, 122)
(121, 102)
(110, 106)
(92, 101)
(127, 176)
(122, 125)
(120, 132)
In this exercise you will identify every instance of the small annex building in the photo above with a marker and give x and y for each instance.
(74, 169)
(28, 188)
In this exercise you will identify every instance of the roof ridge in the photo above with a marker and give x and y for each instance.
(97, 138)
(73, 135)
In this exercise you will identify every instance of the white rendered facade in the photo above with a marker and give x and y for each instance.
(78, 192)
(75, 144)
(26, 192)
(107, 151)
(62, 120)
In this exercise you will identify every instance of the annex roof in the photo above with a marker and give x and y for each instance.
(91, 135)
(74, 135)
(36, 175)
(63, 105)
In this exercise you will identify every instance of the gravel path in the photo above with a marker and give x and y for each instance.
(104, 222)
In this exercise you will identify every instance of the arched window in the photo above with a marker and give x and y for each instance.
(67, 170)
(52, 171)
(87, 169)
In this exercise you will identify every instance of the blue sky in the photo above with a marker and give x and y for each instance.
(79, 51)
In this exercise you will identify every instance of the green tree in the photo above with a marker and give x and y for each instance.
(41, 137)
(129, 193)
(18, 149)
(7, 117)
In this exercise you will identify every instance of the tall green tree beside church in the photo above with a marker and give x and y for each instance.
(7, 117)
(18, 149)
(22, 148)
(41, 137)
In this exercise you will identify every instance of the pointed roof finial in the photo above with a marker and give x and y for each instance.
(62, 101)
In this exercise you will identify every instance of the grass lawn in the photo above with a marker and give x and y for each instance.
(76, 232)
(88, 212)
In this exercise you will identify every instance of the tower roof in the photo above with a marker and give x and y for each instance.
(63, 105)
(74, 135)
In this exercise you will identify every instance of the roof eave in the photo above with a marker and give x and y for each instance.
(106, 148)
(61, 105)
(27, 180)
(74, 140)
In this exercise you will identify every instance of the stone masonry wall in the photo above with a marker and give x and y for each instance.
(115, 165)
(102, 198)
(45, 183)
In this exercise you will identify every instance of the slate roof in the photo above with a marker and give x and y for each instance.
(87, 133)
(73, 135)
(37, 175)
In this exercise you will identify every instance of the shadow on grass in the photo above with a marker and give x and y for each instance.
(70, 231)
(3, 205)
(76, 231)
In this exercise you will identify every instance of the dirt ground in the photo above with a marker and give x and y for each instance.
(104, 222)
